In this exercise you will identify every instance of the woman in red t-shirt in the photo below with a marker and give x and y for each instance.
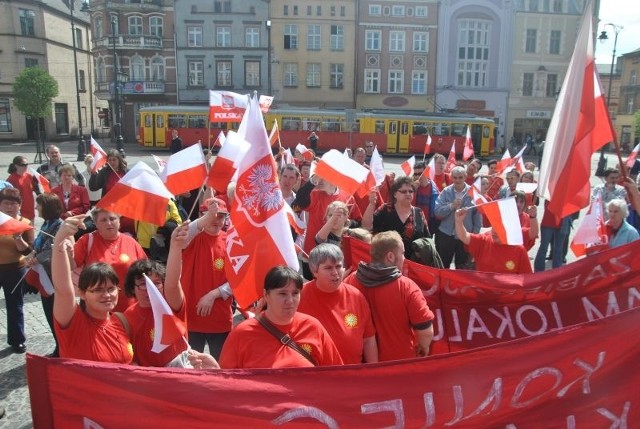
(23, 181)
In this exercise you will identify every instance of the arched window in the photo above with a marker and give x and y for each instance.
(157, 69)
(136, 68)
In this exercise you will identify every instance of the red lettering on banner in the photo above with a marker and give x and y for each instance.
(618, 422)
(634, 295)
(597, 273)
(227, 115)
(591, 310)
(554, 373)
(481, 327)
(589, 370)
(505, 322)
(520, 322)
(305, 413)
(393, 406)
(90, 424)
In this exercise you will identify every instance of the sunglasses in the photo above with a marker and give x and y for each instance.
(406, 191)
(22, 165)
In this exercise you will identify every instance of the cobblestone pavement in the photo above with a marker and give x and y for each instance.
(14, 394)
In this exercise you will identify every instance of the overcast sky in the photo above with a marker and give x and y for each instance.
(625, 13)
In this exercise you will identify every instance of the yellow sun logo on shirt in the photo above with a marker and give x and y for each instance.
(152, 333)
(130, 349)
(124, 258)
(218, 263)
(307, 348)
(351, 320)
(510, 265)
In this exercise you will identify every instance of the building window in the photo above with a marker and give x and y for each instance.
(473, 53)
(332, 11)
(552, 84)
(554, 42)
(343, 11)
(194, 36)
(222, 6)
(629, 105)
(285, 10)
(223, 37)
(156, 26)
(396, 41)
(336, 75)
(97, 28)
(295, 10)
(375, 10)
(136, 68)
(337, 37)
(27, 22)
(101, 70)
(290, 74)
(372, 40)
(31, 62)
(223, 73)
(5, 116)
(313, 37)
(61, 112)
(291, 36)
(534, 6)
(252, 37)
(421, 11)
(419, 82)
(309, 10)
(196, 73)
(633, 78)
(530, 42)
(397, 10)
(157, 69)
(135, 25)
(420, 42)
(558, 6)
(78, 36)
(313, 75)
(318, 10)
(527, 85)
(372, 81)
(82, 83)
(252, 73)
(396, 82)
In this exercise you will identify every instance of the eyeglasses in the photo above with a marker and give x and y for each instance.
(112, 290)
(406, 191)
(143, 285)
(418, 174)
(22, 165)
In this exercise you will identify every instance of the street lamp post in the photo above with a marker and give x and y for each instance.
(603, 37)
(268, 24)
(81, 142)
(117, 118)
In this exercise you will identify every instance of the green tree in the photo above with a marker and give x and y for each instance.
(33, 91)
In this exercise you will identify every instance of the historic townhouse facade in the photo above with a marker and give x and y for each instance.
(629, 97)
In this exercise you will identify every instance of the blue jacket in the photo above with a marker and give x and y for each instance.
(626, 234)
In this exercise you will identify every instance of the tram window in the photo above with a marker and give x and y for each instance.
(177, 121)
(148, 121)
(355, 127)
(458, 130)
(440, 129)
(419, 129)
(330, 125)
(405, 128)
(379, 127)
(159, 121)
(393, 127)
(485, 131)
(310, 124)
(290, 124)
(197, 121)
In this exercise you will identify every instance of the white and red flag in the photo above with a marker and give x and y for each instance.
(451, 160)
(99, 156)
(226, 106)
(38, 278)
(167, 327)
(504, 219)
(298, 225)
(10, 226)
(579, 127)
(376, 166)
(430, 170)
(265, 103)
(504, 162)
(342, 172)
(225, 165)
(427, 145)
(186, 170)
(220, 140)
(307, 154)
(631, 160)
(476, 192)
(592, 232)
(468, 146)
(260, 237)
(43, 182)
(407, 166)
(161, 163)
(527, 188)
(274, 136)
(140, 195)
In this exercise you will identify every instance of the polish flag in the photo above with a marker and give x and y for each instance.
(504, 162)
(407, 166)
(220, 140)
(140, 195)
(185, 170)
(518, 161)
(287, 158)
(468, 146)
(376, 166)
(265, 103)
(167, 328)
(226, 106)
(451, 161)
(99, 156)
(427, 146)
(503, 217)
(161, 163)
(11, 226)
(342, 172)
(592, 233)
(38, 278)
(260, 236)
(43, 182)
(225, 165)
(307, 155)
(579, 127)
(476, 194)
(430, 170)
(632, 157)
(298, 225)
(274, 136)
(527, 188)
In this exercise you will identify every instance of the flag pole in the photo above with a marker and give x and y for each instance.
(19, 281)
(493, 201)
(197, 198)
(623, 169)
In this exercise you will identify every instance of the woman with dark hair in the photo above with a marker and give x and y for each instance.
(23, 181)
(400, 215)
(259, 342)
(13, 249)
(74, 198)
(89, 330)
(109, 174)
(49, 208)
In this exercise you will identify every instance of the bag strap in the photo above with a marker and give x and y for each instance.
(285, 339)
(124, 321)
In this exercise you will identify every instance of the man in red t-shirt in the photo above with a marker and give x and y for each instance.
(400, 312)
(340, 307)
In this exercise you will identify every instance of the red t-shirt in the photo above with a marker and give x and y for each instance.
(250, 345)
(203, 271)
(92, 339)
(142, 334)
(525, 224)
(345, 314)
(442, 181)
(24, 184)
(119, 253)
(498, 258)
(397, 308)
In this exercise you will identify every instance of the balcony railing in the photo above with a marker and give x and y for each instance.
(129, 42)
(137, 87)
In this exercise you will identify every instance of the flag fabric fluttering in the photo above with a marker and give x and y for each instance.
(260, 236)
(591, 235)
(226, 106)
(265, 103)
(451, 160)
(43, 182)
(274, 136)
(580, 125)
(99, 156)
(407, 166)
(185, 170)
(307, 154)
(631, 160)
(161, 163)
(167, 327)
(503, 217)
(342, 172)
(376, 166)
(468, 146)
(220, 140)
(10, 226)
(225, 165)
(427, 145)
(476, 192)
(430, 170)
(140, 195)
(37, 277)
